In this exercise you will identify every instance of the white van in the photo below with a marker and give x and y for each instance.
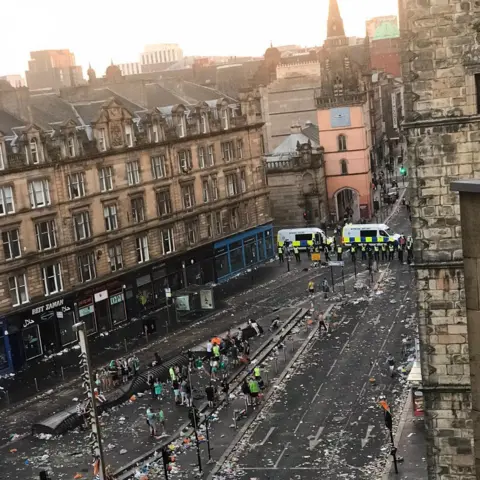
(368, 233)
(301, 237)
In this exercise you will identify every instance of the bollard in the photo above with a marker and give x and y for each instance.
(36, 385)
(146, 333)
(293, 346)
(63, 374)
(8, 397)
(125, 343)
(276, 364)
(285, 353)
(235, 417)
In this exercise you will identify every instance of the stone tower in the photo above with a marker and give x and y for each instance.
(335, 22)
(441, 69)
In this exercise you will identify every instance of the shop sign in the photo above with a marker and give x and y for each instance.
(84, 311)
(206, 299)
(182, 303)
(101, 296)
(49, 306)
(114, 299)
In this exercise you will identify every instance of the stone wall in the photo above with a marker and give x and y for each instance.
(443, 134)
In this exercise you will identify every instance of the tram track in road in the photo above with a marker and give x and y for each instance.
(261, 354)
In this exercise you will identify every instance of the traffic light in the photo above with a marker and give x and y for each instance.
(403, 171)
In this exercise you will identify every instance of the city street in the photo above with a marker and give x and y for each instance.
(336, 409)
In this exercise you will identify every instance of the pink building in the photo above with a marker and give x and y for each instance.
(345, 135)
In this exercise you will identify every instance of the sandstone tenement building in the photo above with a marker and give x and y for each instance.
(441, 71)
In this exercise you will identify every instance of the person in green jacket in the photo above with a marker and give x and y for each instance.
(161, 421)
(158, 389)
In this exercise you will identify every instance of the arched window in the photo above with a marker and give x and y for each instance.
(344, 167)
(338, 87)
(342, 143)
(34, 150)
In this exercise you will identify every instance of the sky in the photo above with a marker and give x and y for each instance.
(98, 31)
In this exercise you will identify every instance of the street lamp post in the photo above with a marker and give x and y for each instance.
(194, 421)
(89, 386)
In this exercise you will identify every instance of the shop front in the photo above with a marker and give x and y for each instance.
(245, 250)
(43, 329)
(6, 363)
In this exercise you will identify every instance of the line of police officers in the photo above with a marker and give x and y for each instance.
(368, 251)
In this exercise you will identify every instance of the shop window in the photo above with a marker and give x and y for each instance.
(67, 334)
(18, 289)
(269, 243)
(32, 344)
(117, 308)
(221, 265)
(250, 246)
(261, 247)
(236, 259)
(11, 244)
(86, 314)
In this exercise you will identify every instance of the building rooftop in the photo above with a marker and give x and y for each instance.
(298, 136)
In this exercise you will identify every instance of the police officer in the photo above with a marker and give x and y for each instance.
(363, 249)
(401, 248)
(339, 253)
(296, 252)
(280, 254)
(326, 251)
(391, 250)
(384, 252)
(409, 249)
(376, 253)
(353, 252)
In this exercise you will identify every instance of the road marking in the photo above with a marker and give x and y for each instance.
(317, 393)
(376, 321)
(345, 346)
(331, 368)
(267, 436)
(314, 440)
(353, 331)
(399, 310)
(281, 455)
(364, 440)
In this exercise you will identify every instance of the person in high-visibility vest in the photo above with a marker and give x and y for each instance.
(339, 253)
(171, 371)
(364, 251)
(391, 251)
(280, 254)
(216, 351)
(296, 252)
(353, 252)
(256, 373)
(376, 253)
(384, 252)
(311, 287)
(254, 391)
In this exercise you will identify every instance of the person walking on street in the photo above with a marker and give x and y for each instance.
(158, 388)
(176, 391)
(209, 350)
(325, 288)
(246, 392)
(254, 391)
(321, 323)
(391, 365)
(409, 249)
(160, 421)
(254, 325)
(296, 252)
(188, 394)
(210, 392)
(311, 287)
(216, 351)
(280, 254)
(225, 388)
(183, 392)
(171, 372)
(150, 421)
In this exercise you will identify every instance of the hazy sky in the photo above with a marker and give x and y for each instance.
(99, 30)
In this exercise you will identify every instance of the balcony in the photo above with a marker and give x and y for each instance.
(329, 101)
(292, 164)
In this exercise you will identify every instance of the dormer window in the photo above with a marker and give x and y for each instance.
(2, 157)
(225, 119)
(182, 126)
(203, 123)
(34, 151)
(155, 133)
(102, 140)
(128, 135)
(71, 146)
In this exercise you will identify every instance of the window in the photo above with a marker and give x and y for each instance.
(205, 191)
(218, 223)
(203, 123)
(86, 267)
(209, 221)
(338, 87)
(6, 201)
(133, 173)
(76, 185)
(46, 233)
(102, 140)
(201, 157)
(110, 216)
(214, 181)
(164, 203)
(188, 195)
(342, 143)
(115, 257)
(228, 151)
(225, 119)
(240, 148)
(141, 244)
(81, 226)
(191, 229)
(138, 209)
(231, 184)
(11, 244)
(2, 157)
(168, 244)
(52, 279)
(34, 155)
(39, 192)
(155, 133)
(158, 167)
(18, 289)
(243, 181)
(71, 146)
(128, 136)
(185, 161)
(105, 176)
(182, 126)
(234, 218)
(211, 156)
(344, 167)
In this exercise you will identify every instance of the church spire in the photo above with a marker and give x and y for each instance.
(335, 22)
